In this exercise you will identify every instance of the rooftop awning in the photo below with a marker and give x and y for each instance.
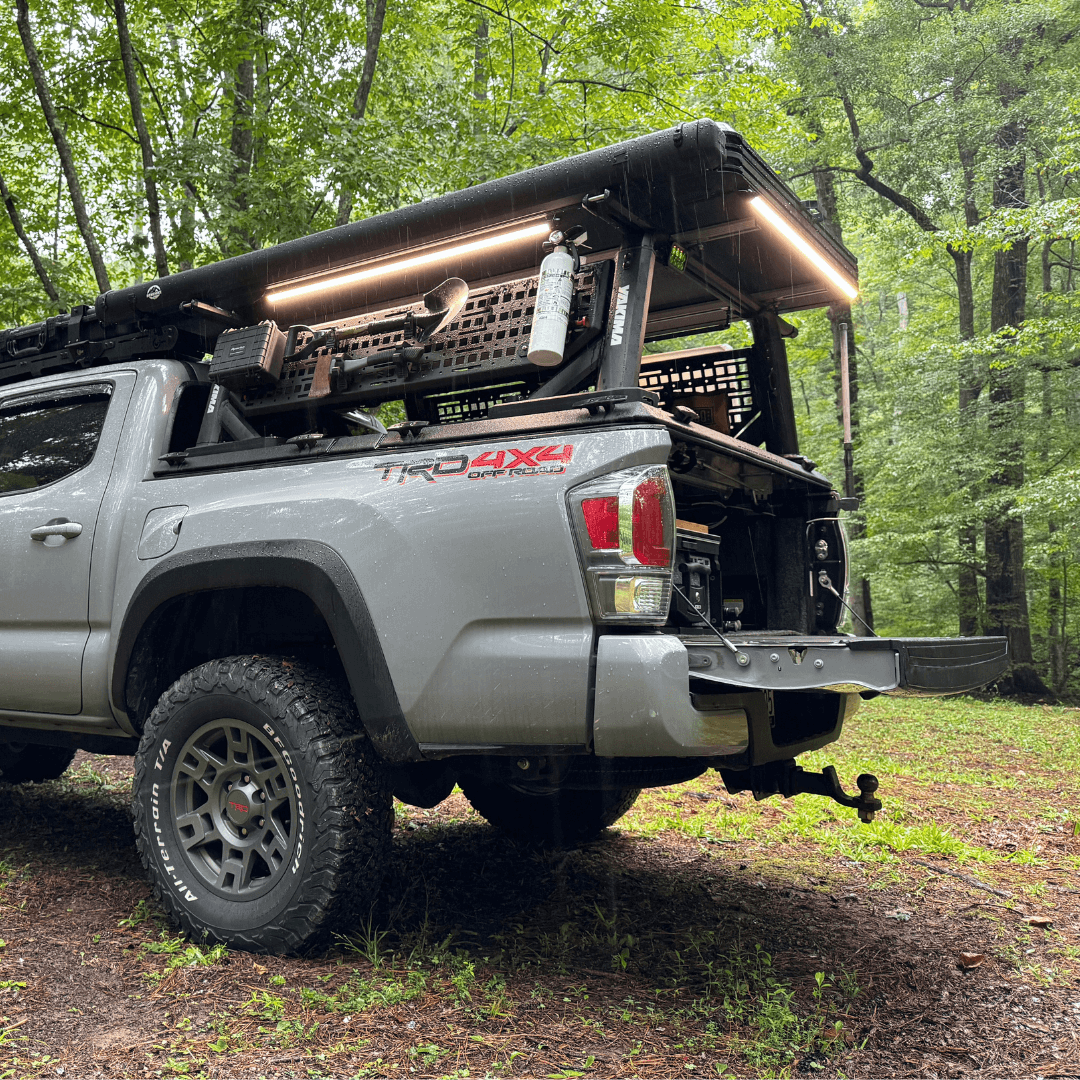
(693, 185)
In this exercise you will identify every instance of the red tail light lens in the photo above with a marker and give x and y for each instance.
(650, 548)
(602, 522)
(624, 526)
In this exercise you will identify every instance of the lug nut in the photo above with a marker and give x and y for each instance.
(243, 832)
(261, 822)
(228, 786)
(247, 779)
(260, 796)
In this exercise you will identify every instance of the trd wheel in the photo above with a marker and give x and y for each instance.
(262, 813)
(560, 820)
(21, 763)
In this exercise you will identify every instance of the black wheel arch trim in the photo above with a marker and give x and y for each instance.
(307, 566)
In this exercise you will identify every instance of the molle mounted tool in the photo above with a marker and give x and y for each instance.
(443, 304)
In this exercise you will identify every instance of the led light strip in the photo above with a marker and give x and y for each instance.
(782, 227)
(499, 240)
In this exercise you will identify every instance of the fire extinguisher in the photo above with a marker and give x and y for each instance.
(554, 294)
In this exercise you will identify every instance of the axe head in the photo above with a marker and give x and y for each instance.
(442, 303)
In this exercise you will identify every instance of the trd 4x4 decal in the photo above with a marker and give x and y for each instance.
(535, 461)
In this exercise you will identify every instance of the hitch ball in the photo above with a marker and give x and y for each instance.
(868, 805)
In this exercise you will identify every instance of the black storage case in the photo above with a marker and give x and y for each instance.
(248, 356)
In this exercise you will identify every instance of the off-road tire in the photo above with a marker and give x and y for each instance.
(24, 763)
(564, 819)
(313, 863)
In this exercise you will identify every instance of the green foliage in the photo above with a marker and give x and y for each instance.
(911, 114)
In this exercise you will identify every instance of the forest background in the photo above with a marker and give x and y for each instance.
(939, 138)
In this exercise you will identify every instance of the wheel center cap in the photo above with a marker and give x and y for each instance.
(240, 804)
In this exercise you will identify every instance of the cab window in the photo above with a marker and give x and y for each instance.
(43, 439)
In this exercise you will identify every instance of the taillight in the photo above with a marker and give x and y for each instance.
(625, 527)
(602, 522)
(650, 546)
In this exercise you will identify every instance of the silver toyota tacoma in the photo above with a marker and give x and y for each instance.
(576, 569)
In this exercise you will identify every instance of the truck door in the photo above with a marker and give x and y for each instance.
(56, 455)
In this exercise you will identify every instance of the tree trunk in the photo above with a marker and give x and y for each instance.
(968, 607)
(1006, 583)
(839, 315)
(31, 247)
(480, 47)
(131, 77)
(376, 16)
(1055, 638)
(970, 386)
(63, 148)
(241, 141)
(184, 234)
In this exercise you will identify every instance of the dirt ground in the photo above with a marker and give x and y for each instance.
(663, 949)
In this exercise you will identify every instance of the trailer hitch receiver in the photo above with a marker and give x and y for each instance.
(787, 779)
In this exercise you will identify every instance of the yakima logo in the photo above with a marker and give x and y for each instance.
(534, 461)
(619, 321)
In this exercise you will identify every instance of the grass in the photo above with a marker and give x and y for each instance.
(654, 953)
(953, 772)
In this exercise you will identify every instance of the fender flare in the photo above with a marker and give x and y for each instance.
(307, 566)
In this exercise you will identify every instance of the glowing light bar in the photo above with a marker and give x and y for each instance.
(796, 241)
(499, 240)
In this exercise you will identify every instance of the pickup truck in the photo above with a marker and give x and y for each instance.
(551, 586)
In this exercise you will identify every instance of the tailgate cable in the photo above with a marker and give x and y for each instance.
(827, 585)
(740, 657)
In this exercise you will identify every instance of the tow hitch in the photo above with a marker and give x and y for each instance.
(787, 779)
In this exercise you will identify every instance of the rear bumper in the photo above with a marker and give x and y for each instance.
(912, 667)
(658, 695)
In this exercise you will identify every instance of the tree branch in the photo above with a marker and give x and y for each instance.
(865, 173)
(157, 101)
(513, 71)
(517, 22)
(161, 259)
(376, 16)
(31, 249)
(99, 123)
(63, 149)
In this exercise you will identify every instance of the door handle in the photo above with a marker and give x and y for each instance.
(60, 527)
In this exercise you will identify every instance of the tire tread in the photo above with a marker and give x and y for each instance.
(349, 822)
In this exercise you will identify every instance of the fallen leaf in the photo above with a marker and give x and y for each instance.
(1039, 920)
(969, 960)
(260, 968)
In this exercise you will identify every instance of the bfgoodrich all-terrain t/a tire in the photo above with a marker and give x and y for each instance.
(262, 814)
(562, 819)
